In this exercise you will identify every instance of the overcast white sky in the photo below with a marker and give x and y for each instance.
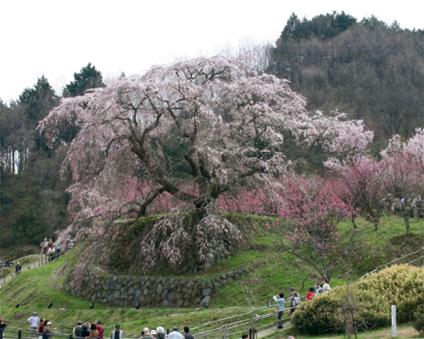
(57, 37)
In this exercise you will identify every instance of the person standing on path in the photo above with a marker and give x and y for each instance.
(310, 294)
(294, 300)
(279, 300)
(160, 332)
(318, 289)
(3, 326)
(18, 268)
(44, 245)
(326, 286)
(100, 329)
(47, 334)
(117, 333)
(187, 334)
(145, 334)
(41, 328)
(175, 334)
(77, 332)
(34, 322)
(94, 334)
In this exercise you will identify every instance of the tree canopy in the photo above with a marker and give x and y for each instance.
(194, 130)
(367, 68)
(88, 77)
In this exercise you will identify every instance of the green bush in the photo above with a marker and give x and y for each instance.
(5, 271)
(366, 303)
(418, 321)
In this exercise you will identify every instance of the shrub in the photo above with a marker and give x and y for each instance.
(368, 303)
(418, 321)
(5, 271)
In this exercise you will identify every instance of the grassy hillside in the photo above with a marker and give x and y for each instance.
(35, 289)
(282, 270)
(276, 271)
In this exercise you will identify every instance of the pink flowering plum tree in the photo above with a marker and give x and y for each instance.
(360, 185)
(403, 164)
(314, 209)
(193, 130)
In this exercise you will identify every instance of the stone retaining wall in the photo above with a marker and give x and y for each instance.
(150, 291)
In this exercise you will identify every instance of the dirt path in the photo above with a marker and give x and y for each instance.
(271, 330)
(6, 279)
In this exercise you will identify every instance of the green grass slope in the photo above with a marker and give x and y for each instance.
(281, 271)
(35, 290)
(276, 271)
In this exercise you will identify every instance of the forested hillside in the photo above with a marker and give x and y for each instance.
(367, 68)
(33, 202)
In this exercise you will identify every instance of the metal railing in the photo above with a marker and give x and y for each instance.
(18, 333)
(251, 323)
(405, 259)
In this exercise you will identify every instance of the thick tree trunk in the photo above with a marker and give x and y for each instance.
(148, 201)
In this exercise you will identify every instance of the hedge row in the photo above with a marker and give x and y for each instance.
(364, 304)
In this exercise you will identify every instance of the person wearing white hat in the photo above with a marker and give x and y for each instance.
(46, 331)
(160, 332)
(145, 334)
(175, 334)
(34, 322)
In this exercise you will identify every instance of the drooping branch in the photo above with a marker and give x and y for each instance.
(196, 129)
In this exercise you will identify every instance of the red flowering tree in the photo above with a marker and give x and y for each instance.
(194, 130)
(360, 185)
(314, 209)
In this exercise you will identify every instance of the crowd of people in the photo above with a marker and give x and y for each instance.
(158, 333)
(42, 328)
(295, 299)
(89, 331)
(49, 249)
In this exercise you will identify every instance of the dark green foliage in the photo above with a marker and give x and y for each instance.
(321, 26)
(36, 102)
(368, 69)
(405, 243)
(88, 77)
(124, 240)
(32, 199)
(418, 322)
(29, 211)
(366, 302)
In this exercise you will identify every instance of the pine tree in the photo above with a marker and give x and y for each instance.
(88, 77)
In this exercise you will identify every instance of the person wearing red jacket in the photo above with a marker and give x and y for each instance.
(310, 294)
(100, 329)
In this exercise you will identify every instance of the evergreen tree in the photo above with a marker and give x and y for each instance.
(36, 102)
(88, 77)
(32, 199)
